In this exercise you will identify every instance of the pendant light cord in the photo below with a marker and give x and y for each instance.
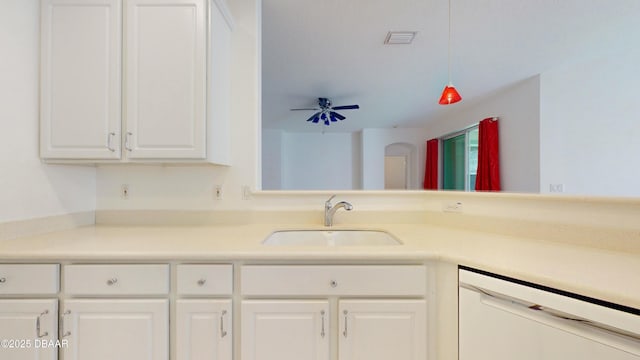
(449, 53)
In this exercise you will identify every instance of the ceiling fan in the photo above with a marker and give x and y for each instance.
(326, 113)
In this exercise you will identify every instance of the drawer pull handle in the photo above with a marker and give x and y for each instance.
(64, 333)
(112, 282)
(38, 333)
(345, 323)
(201, 282)
(3, 280)
(322, 330)
(223, 332)
(333, 283)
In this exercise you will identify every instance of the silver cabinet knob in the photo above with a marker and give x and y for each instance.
(112, 282)
(333, 283)
(3, 280)
(201, 282)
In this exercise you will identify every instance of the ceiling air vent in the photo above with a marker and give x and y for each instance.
(400, 37)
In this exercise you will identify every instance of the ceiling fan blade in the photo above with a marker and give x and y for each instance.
(312, 116)
(346, 107)
(338, 116)
(304, 109)
(332, 117)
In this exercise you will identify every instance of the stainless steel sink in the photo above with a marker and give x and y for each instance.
(331, 238)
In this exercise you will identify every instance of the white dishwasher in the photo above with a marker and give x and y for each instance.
(506, 319)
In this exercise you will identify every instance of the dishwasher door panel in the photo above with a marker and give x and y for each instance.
(499, 329)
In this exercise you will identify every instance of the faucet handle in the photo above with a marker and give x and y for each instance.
(328, 202)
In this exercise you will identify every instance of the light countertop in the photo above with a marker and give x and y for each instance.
(603, 274)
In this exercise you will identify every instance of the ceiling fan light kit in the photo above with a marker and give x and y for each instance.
(449, 95)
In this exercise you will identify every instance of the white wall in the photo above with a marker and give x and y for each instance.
(338, 161)
(192, 187)
(154, 187)
(374, 142)
(590, 124)
(316, 161)
(272, 152)
(518, 108)
(28, 188)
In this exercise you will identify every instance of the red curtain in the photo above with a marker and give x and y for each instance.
(431, 166)
(488, 175)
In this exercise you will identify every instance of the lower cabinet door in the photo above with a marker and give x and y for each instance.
(382, 330)
(29, 329)
(285, 330)
(112, 329)
(204, 330)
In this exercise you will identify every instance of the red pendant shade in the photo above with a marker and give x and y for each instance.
(449, 95)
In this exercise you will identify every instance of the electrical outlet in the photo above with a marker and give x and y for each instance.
(452, 207)
(246, 192)
(556, 188)
(217, 192)
(124, 191)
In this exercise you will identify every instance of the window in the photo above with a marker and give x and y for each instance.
(460, 160)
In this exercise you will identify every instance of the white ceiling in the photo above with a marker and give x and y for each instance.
(334, 49)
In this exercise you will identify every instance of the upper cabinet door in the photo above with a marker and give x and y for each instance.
(80, 79)
(165, 72)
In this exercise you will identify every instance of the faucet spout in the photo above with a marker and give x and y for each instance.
(330, 210)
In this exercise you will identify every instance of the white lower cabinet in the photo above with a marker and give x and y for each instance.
(123, 329)
(382, 329)
(287, 312)
(29, 318)
(301, 329)
(28, 329)
(358, 312)
(204, 329)
(285, 330)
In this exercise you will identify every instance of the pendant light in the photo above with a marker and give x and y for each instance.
(449, 95)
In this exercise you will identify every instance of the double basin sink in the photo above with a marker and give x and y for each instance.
(331, 238)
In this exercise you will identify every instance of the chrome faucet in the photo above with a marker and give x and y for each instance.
(330, 210)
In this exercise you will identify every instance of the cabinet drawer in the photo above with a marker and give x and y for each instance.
(205, 279)
(29, 278)
(116, 279)
(365, 280)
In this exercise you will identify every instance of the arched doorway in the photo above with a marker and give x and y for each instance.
(398, 166)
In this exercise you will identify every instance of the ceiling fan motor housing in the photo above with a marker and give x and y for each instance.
(324, 103)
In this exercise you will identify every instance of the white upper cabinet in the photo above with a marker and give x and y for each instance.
(166, 79)
(80, 79)
(135, 80)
